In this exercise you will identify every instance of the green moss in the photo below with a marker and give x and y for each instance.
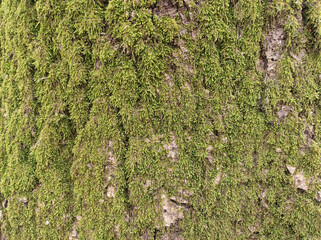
(108, 106)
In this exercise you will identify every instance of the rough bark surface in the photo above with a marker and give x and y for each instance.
(160, 119)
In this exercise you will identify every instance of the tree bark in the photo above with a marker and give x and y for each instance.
(161, 119)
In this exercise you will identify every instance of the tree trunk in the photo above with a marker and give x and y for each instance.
(160, 119)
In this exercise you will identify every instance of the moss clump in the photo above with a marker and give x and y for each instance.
(159, 119)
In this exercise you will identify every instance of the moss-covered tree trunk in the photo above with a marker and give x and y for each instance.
(160, 119)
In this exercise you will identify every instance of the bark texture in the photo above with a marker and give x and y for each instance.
(160, 119)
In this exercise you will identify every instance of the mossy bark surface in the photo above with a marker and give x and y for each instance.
(160, 119)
